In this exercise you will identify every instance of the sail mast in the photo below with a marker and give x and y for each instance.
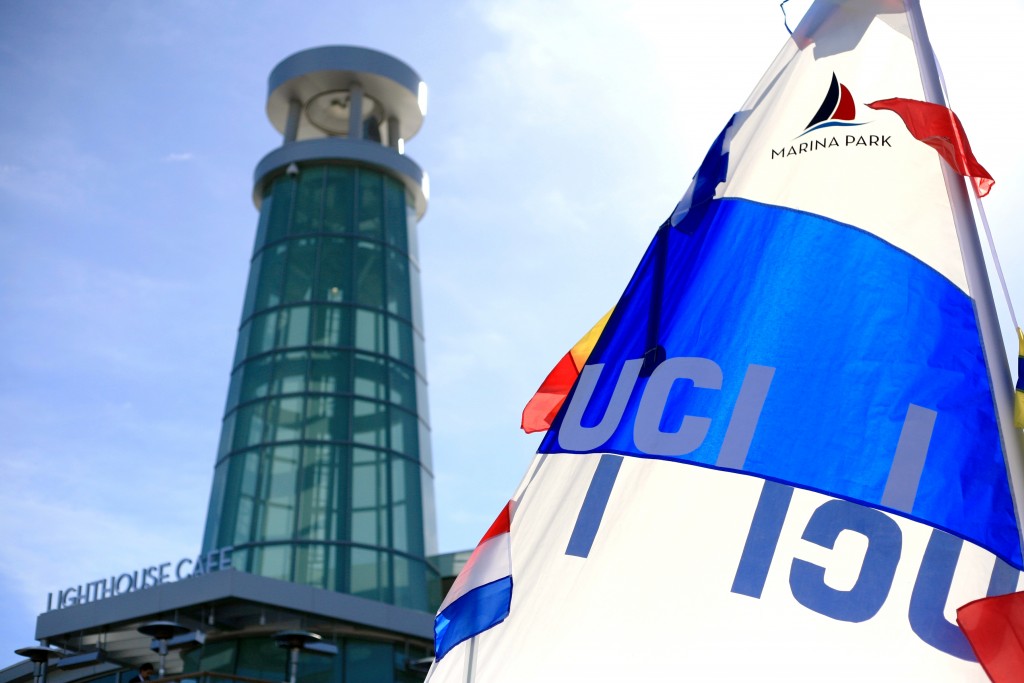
(978, 283)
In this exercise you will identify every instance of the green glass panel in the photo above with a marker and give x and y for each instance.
(315, 492)
(369, 574)
(406, 489)
(301, 267)
(410, 583)
(227, 435)
(266, 208)
(262, 658)
(311, 565)
(369, 496)
(213, 533)
(339, 199)
(400, 341)
(330, 372)
(368, 662)
(399, 507)
(248, 466)
(289, 372)
(332, 326)
(281, 208)
(271, 281)
(394, 214)
(263, 333)
(369, 423)
(313, 669)
(249, 422)
(402, 385)
(371, 379)
(218, 657)
(283, 419)
(242, 346)
(257, 378)
(327, 418)
(253, 286)
(293, 326)
(371, 206)
(399, 300)
(308, 200)
(278, 488)
(404, 431)
(369, 329)
(369, 267)
(235, 387)
(334, 279)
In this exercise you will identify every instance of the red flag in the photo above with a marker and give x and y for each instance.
(542, 409)
(938, 127)
(995, 628)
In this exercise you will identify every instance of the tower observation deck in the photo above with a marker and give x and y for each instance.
(323, 473)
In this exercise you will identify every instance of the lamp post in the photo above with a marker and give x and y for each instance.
(40, 656)
(162, 631)
(294, 641)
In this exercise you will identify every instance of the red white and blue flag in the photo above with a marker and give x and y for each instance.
(481, 595)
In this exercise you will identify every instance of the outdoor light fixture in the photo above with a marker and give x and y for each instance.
(162, 631)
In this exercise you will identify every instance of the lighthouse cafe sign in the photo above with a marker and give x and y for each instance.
(146, 577)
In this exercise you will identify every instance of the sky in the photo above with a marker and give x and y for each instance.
(558, 137)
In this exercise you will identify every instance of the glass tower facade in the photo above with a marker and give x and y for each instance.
(323, 475)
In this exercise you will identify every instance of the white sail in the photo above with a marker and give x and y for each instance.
(783, 458)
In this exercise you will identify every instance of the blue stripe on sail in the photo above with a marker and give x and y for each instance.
(862, 337)
(472, 614)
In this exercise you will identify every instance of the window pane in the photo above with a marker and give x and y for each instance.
(332, 326)
(289, 372)
(266, 206)
(369, 269)
(280, 208)
(250, 290)
(242, 347)
(248, 426)
(330, 372)
(369, 331)
(248, 465)
(284, 419)
(368, 662)
(306, 216)
(404, 431)
(369, 576)
(370, 376)
(370, 204)
(339, 199)
(301, 265)
(369, 497)
(256, 382)
(334, 283)
(402, 385)
(271, 279)
(394, 207)
(293, 326)
(311, 565)
(280, 468)
(263, 334)
(315, 492)
(399, 301)
(400, 341)
(327, 418)
(369, 423)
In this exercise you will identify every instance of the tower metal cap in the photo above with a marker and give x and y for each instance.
(309, 73)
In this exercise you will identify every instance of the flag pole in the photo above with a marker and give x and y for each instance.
(978, 284)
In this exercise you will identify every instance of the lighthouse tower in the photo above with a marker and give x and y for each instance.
(323, 475)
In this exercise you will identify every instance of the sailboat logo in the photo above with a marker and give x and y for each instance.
(837, 109)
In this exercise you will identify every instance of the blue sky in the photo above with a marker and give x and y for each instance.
(558, 138)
